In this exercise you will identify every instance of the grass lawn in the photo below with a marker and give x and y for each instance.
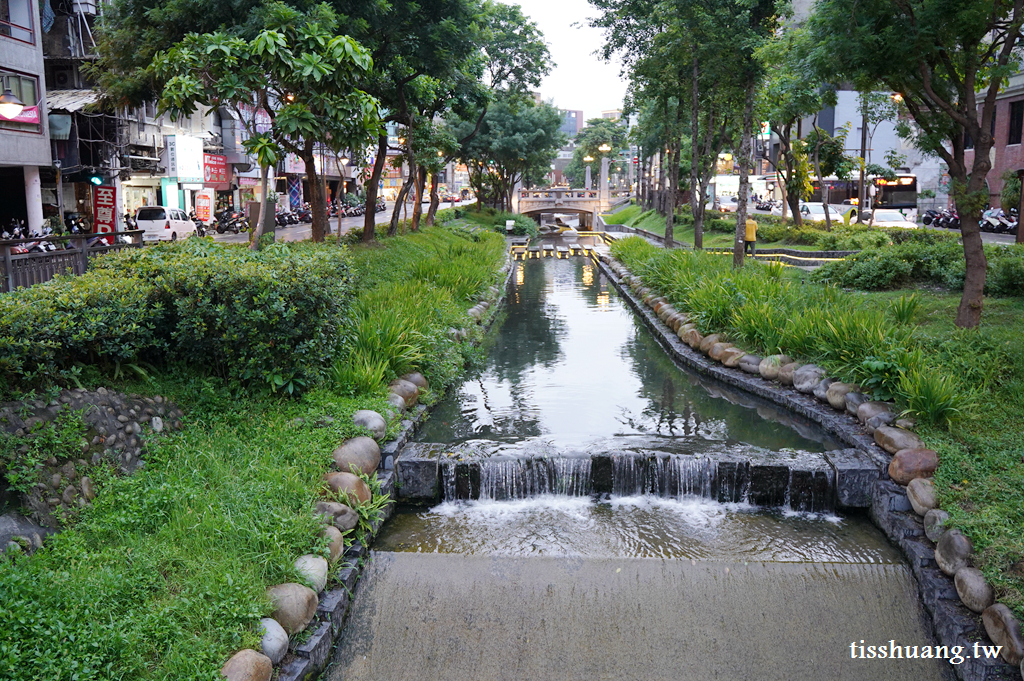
(164, 576)
(965, 386)
(655, 224)
(981, 456)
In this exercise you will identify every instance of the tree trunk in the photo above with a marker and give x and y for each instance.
(417, 209)
(695, 197)
(403, 193)
(257, 233)
(317, 200)
(968, 314)
(370, 215)
(744, 191)
(435, 200)
(670, 195)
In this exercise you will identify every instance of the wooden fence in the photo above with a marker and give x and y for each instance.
(26, 269)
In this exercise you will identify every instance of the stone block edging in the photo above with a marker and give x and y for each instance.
(309, 659)
(890, 509)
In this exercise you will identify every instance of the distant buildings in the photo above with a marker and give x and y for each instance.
(572, 122)
(612, 114)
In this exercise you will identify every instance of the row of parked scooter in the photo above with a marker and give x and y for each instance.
(18, 229)
(993, 220)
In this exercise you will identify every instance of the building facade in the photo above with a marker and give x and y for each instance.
(24, 135)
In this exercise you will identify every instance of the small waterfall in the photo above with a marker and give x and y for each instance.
(674, 476)
(796, 487)
(523, 478)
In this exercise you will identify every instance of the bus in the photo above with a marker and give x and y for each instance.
(897, 193)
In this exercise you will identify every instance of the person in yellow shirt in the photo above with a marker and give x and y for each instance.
(750, 238)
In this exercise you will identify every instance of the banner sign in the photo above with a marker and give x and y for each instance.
(215, 171)
(104, 202)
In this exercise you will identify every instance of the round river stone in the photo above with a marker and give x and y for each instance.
(417, 379)
(973, 590)
(275, 640)
(836, 394)
(247, 665)
(350, 484)
(372, 421)
(750, 364)
(893, 439)
(807, 377)
(709, 342)
(910, 464)
(935, 523)
(409, 392)
(787, 372)
(358, 455)
(335, 541)
(716, 350)
(1004, 630)
(771, 365)
(921, 493)
(953, 551)
(294, 605)
(313, 569)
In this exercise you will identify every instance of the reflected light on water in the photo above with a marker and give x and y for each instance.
(603, 303)
(588, 274)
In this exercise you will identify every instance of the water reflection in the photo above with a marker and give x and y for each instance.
(572, 366)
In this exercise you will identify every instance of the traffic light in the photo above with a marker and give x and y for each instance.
(96, 179)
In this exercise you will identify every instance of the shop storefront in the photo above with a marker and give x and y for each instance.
(217, 177)
(183, 158)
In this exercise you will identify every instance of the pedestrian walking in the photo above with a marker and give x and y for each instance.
(750, 238)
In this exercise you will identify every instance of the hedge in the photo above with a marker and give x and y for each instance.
(269, 318)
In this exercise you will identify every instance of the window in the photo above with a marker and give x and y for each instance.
(1016, 122)
(16, 19)
(25, 88)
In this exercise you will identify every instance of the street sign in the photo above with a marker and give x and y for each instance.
(766, 130)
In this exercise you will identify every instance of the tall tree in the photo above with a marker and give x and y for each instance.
(948, 60)
(296, 69)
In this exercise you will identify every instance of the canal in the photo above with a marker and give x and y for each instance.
(612, 524)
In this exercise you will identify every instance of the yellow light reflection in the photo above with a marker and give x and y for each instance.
(588, 274)
(520, 276)
(603, 301)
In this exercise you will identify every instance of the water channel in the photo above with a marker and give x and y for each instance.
(674, 572)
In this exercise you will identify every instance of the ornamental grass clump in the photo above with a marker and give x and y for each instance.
(768, 314)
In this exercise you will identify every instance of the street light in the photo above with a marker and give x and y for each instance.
(604, 147)
(10, 105)
(588, 159)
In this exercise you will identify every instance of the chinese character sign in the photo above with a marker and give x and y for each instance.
(215, 169)
(104, 202)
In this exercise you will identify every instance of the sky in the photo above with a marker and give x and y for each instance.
(579, 80)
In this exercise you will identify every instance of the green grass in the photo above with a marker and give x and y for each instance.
(164, 576)
(964, 385)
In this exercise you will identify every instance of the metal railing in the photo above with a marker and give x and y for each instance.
(27, 269)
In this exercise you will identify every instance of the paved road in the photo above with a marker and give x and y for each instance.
(304, 230)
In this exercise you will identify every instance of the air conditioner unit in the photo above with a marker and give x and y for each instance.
(84, 6)
(63, 77)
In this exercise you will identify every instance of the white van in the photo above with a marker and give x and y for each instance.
(163, 224)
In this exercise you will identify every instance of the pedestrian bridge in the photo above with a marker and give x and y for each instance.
(587, 203)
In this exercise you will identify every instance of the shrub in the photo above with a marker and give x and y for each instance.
(931, 396)
(905, 309)
(269, 318)
(524, 225)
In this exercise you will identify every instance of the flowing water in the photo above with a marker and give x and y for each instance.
(601, 519)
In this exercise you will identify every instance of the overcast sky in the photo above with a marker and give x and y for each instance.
(579, 80)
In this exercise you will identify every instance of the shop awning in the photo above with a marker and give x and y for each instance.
(70, 100)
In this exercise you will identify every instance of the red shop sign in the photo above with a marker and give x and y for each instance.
(215, 171)
(104, 203)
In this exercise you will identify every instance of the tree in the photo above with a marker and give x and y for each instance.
(598, 132)
(947, 59)
(828, 153)
(297, 70)
(515, 138)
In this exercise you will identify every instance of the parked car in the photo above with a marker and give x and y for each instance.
(890, 218)
(815, 212)
(163, 224)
